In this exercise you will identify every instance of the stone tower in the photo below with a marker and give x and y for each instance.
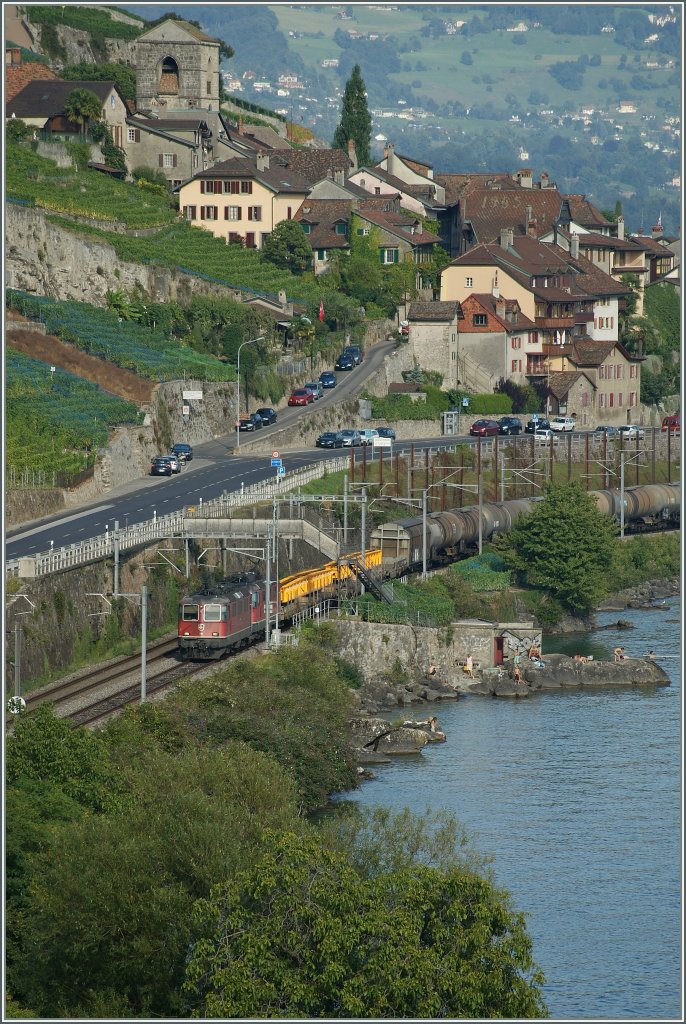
(177, 69)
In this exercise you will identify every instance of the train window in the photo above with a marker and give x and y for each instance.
(212, 613)
(254, 599)
(189, 612)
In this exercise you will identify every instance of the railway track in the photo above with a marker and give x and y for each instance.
(95, 685)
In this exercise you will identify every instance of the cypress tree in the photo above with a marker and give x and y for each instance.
(356, 121)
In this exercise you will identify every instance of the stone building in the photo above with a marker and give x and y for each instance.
(434, 337)
(177, 69)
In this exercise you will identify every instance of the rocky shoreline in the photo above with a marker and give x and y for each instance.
(375, 739)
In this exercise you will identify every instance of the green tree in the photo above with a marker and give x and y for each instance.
(287, 247)
(45, 748)
(566, 545)
(16, 130)
(361, 272)
(356, 121)
(82, 106)
(110, 71)
(303, 934)
(110, 900)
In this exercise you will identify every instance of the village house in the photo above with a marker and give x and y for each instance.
(496, 342)
(41, 105)
(178, 147)
(614, 373)
(19, 72)
(242, 200)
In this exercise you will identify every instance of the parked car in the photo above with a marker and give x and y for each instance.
(562, 424)
(544, 436)
(386, 432)
(268, 415)
(351, 438)
(301, 397)
(609, 431)
(484, 428)
(315, 386)
(328, 379)
(367, 436)
(173, 461)
(246, 424)
(535, 425)
(329, 439)
(630, 432)
(160, 467)
(345, 362)
(510, 425)
(672, 424)
(356, 352)
(183, 451)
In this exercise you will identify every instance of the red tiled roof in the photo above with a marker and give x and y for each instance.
(397, 224)
(19, 75)
(490, 210)
(585, 213)
(276, 176)
(561, 382)
(490, 303)
(322, 215)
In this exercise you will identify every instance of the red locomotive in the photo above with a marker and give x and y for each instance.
(224, 616)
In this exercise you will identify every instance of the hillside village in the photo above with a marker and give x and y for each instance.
(514, 281)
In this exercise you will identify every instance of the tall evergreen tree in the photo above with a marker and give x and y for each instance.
(356, 121)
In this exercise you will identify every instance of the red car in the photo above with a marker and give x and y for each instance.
(485, 428)
(301, 397)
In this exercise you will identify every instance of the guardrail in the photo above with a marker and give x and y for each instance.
(174, 524)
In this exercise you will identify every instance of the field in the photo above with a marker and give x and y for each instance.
(500, 65)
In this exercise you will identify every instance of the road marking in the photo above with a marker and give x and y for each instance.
(57, 523)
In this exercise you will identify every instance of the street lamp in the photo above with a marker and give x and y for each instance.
(251, 341)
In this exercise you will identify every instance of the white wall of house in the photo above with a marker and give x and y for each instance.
(605, 323)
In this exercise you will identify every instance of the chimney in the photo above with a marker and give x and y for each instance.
(262, 161)
(620, 228)
(574, 246)
(505, 238)
(418, 227)
(283, 301)
(544, 179)
(525, 177)
(339, 177)
(388, 156)
(352, 155)
(500, 308)
(529, 214)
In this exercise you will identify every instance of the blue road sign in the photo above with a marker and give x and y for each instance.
(534, 417)
(281, 471)
(277, 462)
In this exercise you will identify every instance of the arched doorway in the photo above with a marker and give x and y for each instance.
(169, 77)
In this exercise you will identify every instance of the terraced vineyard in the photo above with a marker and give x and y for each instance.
(149, 353)
(55, 421)
(38, 181)
(196, 250)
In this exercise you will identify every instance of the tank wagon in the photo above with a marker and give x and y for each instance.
(455, 531)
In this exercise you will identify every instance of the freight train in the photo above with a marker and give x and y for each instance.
(231, 614)
(455, 532)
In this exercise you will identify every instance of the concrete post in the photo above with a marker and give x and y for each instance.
(116, 558)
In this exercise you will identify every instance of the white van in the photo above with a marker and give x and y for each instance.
(367, 436)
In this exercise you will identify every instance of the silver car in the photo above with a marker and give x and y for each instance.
(351, 438)
(316, 388)
(630, 433)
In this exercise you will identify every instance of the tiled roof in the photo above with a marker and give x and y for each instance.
(169, 124)
(458, 185)
(264, 136)
(322, 215)
(312, 164)
(589, 352)
(490, 303)
(17, 76)
(651, 245)
(595, 240)
(561, 382)
(47, 98)
(490, 210)
(397, 224)
(439, 312)
(276, 176)
(585, 213)
(528, 258)
(424, 193)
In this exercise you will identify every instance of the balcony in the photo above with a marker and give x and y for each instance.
(556, 322)
(584, 317)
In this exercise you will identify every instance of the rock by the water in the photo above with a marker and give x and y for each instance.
(381, 737)
(561, 671)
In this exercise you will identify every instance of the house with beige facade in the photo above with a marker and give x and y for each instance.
(40, 104)
(614, 373)
(178, 147)
(242, 200)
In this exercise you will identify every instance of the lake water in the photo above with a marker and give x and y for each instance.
(578, 796)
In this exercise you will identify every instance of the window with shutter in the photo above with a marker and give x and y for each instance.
(246, 187)
(174, 160)
(202, 213)
(250, 239)
(160, 161)
(202, 186)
